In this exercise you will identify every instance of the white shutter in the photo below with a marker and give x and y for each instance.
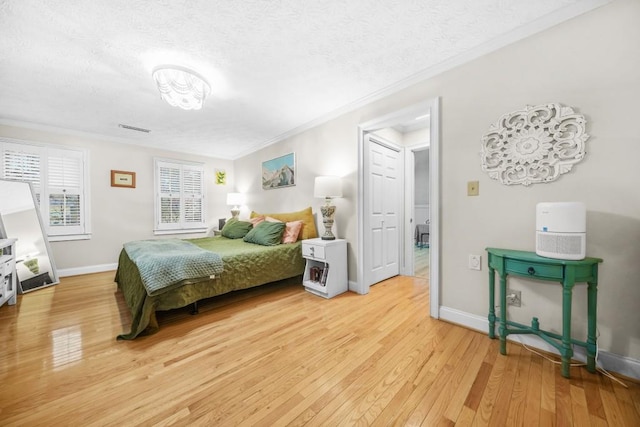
(64, 183)
(169, 194)
(57, 176)
(180, 196)
(22, 163)
(192, 190)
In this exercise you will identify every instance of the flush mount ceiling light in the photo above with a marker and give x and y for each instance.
(181, 87)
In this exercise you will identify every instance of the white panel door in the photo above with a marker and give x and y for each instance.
(383, 191)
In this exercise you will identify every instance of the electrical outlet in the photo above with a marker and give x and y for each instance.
(514, 298)
(475, 262)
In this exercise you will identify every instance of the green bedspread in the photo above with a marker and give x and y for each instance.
(245, 265)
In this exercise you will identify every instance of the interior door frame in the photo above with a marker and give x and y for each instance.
(409, 204)
(433, 106)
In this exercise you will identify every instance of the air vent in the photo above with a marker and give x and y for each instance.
(134, 128)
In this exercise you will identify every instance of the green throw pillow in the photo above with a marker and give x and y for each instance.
(266, 233)
(235, 229)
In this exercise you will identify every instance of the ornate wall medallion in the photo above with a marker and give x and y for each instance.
(536, 144)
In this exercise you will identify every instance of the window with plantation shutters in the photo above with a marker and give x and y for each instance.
(57, 176)
(180, 197)
(64, 181)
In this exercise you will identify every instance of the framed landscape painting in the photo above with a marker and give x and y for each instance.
(279, 172)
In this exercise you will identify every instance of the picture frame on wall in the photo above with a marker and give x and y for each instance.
(123, 179)
(279, 172)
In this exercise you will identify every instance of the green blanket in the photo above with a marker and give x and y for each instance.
(164, 263)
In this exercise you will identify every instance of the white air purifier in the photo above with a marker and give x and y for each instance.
(561, 230)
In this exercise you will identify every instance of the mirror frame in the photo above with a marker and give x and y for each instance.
(3, 234)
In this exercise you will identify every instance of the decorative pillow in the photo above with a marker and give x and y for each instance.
(257, 220)
(235, 229)
(306, 215)
(266, 233)
(292, 231)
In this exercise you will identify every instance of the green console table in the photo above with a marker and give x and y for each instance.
(528, 264)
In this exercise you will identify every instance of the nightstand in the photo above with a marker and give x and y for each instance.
(8, 277)
(325, 273)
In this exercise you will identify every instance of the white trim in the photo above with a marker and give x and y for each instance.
(434, 208)
(610, 361)
(180, 231)
(77, 271)
(64, 238)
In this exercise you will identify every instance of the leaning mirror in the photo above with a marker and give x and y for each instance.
(20, 219)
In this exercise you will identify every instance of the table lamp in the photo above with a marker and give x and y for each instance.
(327, 187)
(235, 200)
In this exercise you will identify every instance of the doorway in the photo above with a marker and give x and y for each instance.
(406, 224)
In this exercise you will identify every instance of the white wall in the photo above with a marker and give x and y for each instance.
(592, 63)
(119, 215)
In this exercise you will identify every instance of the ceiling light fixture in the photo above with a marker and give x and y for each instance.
(181, 87)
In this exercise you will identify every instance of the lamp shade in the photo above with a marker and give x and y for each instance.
(327, 186)
(235, 199)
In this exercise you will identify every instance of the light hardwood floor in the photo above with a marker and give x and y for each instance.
(276, 356)
(421, 262)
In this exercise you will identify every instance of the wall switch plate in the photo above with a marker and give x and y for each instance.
(475, 262)
(473, 188)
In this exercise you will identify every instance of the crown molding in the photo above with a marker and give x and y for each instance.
(511, 37)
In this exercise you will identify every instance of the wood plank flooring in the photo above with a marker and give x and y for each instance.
(278, 356)
(421, 262)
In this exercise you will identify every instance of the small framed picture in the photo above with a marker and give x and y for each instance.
(123, 179)
(221, 177)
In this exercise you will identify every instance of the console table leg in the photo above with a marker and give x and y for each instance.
(592, 298)
(567, 350)
(503, 314)
(492, 303)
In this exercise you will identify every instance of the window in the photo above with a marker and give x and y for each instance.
(179, 206)
(58, 177)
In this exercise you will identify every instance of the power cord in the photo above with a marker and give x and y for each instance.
(557, 362)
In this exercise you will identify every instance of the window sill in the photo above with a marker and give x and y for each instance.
(180, 231)
(69, 237)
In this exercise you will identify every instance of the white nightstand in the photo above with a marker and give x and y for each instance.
(8, 277)
(325, 273)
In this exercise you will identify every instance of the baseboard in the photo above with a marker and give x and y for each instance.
(610, 361)
(353, 287)
(66, 272)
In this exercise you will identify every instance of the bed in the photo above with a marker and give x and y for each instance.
(245, 265)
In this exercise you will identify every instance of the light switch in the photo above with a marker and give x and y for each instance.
(473, 188)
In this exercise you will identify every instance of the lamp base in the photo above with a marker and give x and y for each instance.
(235, 213)
(327, 221)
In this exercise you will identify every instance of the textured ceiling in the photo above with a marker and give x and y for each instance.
(274, 66)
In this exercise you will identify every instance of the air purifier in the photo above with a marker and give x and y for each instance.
(561, 230)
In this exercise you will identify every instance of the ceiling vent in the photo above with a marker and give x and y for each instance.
(134, 128)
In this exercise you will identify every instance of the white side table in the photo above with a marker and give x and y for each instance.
(8, 276)
(325, 273)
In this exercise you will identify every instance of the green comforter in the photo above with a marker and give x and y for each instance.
(245, 265)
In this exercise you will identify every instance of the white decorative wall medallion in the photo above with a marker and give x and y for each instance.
(536, 144)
